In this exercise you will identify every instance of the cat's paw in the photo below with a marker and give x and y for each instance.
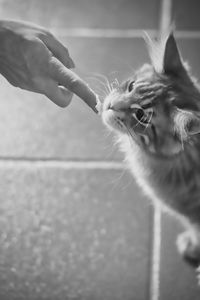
(189, 248)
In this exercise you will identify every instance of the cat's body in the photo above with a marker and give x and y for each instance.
(169, 181)
(156, 116)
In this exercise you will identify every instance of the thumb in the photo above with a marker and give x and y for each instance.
(57, 94)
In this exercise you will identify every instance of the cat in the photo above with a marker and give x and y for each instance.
(156, 117)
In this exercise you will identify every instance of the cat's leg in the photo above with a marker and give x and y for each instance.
(188, 244)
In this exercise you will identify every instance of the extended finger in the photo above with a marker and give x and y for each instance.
(58, 50)
(73, 83)
(57, 94)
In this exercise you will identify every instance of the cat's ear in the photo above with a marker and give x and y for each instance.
(172, 62)
(186, 123)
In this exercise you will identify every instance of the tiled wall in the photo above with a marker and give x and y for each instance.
(73, 224)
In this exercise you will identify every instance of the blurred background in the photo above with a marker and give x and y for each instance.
(73, 224)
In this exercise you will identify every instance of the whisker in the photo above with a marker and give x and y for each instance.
(103, 84)
(100, 92)
(130, 133)
(138, 122)
(113, 85)
(146, 126)
(106, 81)
(116, 181)
(182, 141)
(149, 121)
(117, 82)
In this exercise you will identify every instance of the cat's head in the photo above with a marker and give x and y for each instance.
(159, 106)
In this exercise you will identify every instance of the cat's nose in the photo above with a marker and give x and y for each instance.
(111, 106)
(107, 106)
(120, 104)
(115, 106)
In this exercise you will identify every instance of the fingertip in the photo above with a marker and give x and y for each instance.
(73, 82)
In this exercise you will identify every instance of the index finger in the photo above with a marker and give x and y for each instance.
(74, 83)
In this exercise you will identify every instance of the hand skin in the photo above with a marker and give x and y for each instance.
(31, 58)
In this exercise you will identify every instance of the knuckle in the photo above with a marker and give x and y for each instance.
(32, 46)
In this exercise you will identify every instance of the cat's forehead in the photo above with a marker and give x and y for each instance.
(146, 74)
(146, 68)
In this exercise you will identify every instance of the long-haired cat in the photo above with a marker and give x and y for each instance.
(156, 116)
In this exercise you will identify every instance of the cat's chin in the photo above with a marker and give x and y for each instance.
(114, 120)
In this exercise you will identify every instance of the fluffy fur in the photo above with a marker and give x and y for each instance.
(156, 116)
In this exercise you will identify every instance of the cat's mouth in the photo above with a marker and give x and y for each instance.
(132, 118)
(127, 123)
(115, 120)
(122, 122)
(122, 115)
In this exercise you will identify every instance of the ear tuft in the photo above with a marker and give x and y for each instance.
(155, 52)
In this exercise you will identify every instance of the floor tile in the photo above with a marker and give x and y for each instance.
(120, 14)
(177, 279)
(186, 14)
(72, 234)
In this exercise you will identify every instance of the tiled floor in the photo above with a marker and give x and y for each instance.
(73, 224)
(71, 234)
(177, 280)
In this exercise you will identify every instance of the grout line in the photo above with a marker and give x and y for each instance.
(187, 34)
(165, 22)
(122, 33)
(165, 16)
(156, 255)
(102, 33)
(63, 164)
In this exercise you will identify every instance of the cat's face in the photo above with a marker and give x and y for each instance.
(158, 106)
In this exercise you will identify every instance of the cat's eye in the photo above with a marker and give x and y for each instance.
(131, 86)
(141, 116)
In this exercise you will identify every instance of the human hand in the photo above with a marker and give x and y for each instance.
(31, 58)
